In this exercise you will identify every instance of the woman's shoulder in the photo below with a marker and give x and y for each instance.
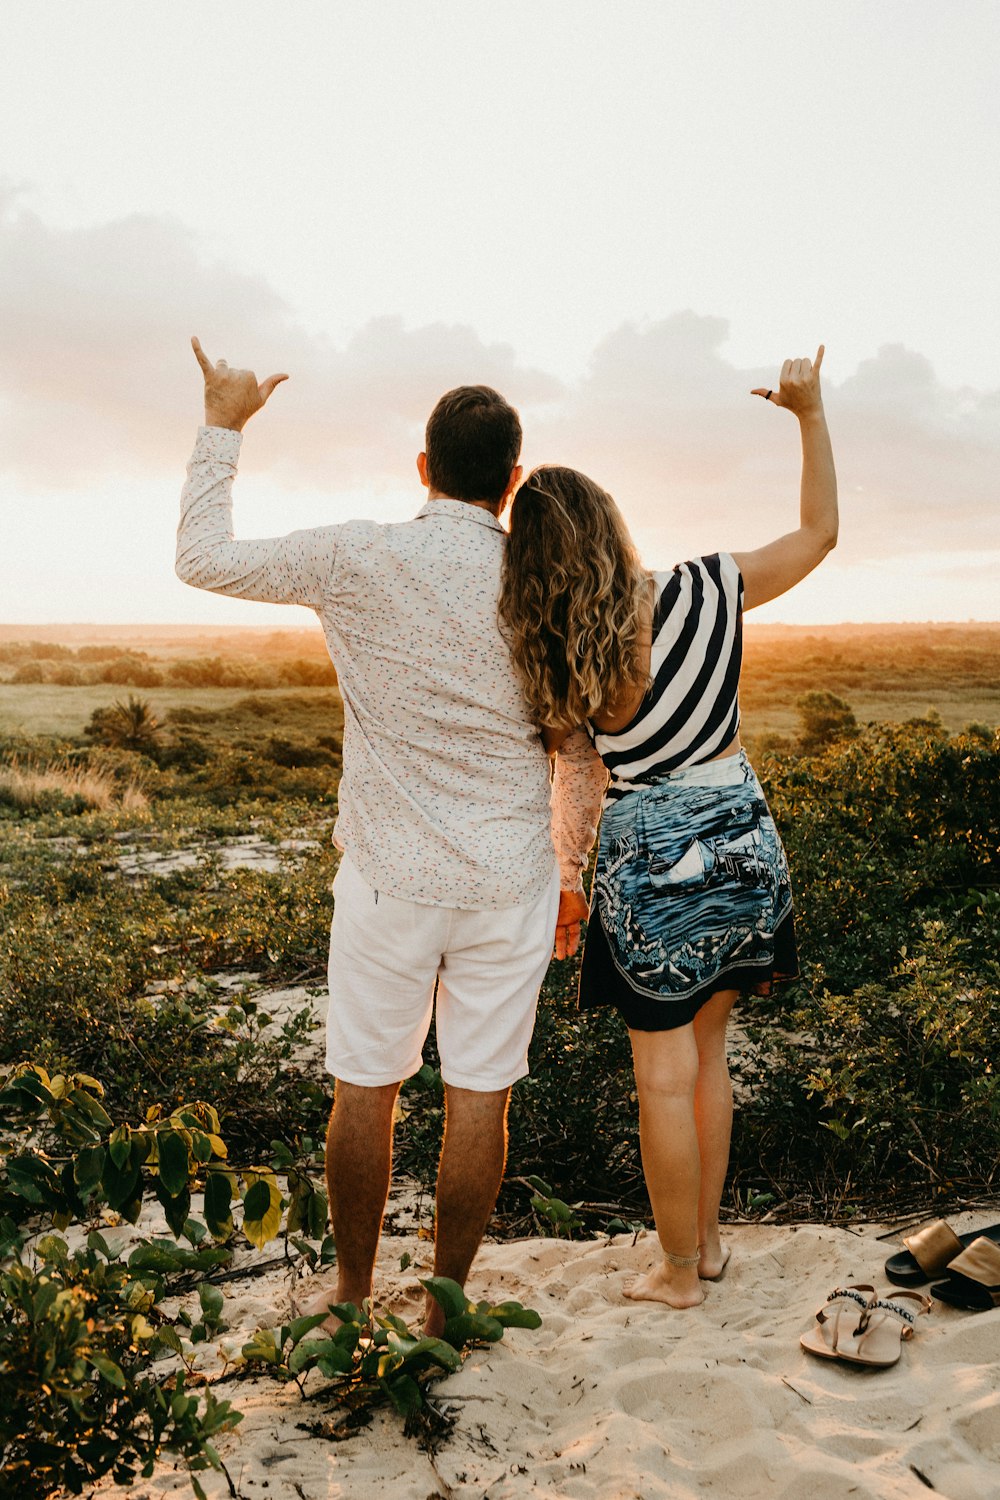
(680, 589)
(720, 568)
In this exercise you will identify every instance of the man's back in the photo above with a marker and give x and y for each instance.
(444, 798)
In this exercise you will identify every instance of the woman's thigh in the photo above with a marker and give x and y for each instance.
(711, 1020)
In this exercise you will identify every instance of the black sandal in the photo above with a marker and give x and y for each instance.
(973, 1278)
(931, 1250)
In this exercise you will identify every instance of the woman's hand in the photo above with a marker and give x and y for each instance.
(231, 396)
(798, 386)
(573, 910)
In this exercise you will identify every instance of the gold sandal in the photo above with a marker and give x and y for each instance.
(838, 1321)
(880, 1334)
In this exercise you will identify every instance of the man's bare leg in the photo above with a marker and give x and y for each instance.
(472, 1161)
(358, 1167)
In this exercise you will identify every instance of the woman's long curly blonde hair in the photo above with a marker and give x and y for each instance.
(572, 598)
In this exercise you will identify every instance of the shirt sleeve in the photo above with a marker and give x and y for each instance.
(577, 793)
(292, 569)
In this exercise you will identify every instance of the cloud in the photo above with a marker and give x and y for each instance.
(667, 423)
(97, 376)
(97, 381)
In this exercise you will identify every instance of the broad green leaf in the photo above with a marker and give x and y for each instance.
(201, 1146)
(89, 1167)
(218, 1197)
(262, 1212)
(96, 1241)
(470, 1328)
(52, 1247)
(167, 1334)
(155, 1258)
(447, 1294)
(318, 1214)
(211, 1300)
(513, 1315)
(194, 1230)
(335, 1361)
(348, 1336)
(43, 1299)
(263, 1345)
(257, 1200)
(119, 1145)
(405, 1394)
(330, 1357)
(34, 1180)
(173, 1157)
(390, 1320)
(175, 1207)
(107, 1367)
(119, 1183)
(419, 1352)
(299, 1327)
(91, 1107)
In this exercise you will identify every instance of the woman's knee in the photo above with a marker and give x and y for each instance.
(666, 1064)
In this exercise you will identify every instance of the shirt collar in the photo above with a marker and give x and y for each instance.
(462, 509)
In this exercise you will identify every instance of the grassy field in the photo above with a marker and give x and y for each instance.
(43, 709)
(885, 673)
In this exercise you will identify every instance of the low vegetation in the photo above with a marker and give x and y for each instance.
(142, 1074)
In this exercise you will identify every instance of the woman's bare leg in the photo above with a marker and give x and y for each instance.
(713, 1113)
(666, 1072)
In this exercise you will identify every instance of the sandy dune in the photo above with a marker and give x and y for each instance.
(613, 1400)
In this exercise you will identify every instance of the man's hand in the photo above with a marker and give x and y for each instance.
(231, 396)
(572, 911)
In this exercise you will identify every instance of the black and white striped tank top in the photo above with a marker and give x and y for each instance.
(692, 709)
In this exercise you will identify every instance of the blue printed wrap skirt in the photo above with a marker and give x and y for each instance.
(691, 896)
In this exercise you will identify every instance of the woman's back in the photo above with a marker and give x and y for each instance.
(690, 713)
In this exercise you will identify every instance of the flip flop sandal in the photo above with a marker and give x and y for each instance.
(930, 1251)
(880, 1334)
(973, 1280)
(838, 1321)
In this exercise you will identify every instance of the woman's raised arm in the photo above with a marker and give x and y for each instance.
(775, 568)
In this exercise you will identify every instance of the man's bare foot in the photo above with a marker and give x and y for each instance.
(713, 1262)
(434, 1319)
(310, 1306)
(678, 1286)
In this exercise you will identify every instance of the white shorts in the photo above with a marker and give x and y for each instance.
(387, 955)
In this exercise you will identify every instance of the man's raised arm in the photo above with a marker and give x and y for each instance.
(291, 569)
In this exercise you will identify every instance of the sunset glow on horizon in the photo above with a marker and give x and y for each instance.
(623, 219)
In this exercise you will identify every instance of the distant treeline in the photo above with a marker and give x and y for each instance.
(62, 666)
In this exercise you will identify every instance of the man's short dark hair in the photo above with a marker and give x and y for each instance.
(473, 442)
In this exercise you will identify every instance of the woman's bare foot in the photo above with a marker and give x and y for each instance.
(678, 1286)
(714, 1260)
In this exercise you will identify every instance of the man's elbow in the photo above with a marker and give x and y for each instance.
(190, 570)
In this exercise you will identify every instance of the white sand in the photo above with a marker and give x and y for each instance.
(614, 1399)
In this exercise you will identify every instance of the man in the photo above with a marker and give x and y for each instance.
(448, 880)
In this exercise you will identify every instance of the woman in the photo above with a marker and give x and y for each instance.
(691, 902)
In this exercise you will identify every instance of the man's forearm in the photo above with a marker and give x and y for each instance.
(292, 569)
(577, 793)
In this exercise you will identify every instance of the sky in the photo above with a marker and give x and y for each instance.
(622, 213)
